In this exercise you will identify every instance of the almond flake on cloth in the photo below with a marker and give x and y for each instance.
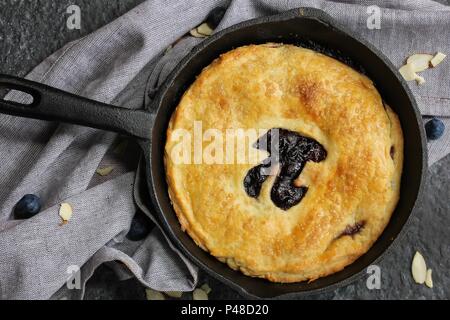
(199, 294)
(205, 287)
(202, 31)
(153, 294)
(65, 212)
(174, 294)
(104, 171)
(438, 58)
(420, 62)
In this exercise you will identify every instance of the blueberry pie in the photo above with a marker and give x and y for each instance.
(283, 162)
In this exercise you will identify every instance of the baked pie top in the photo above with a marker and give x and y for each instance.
(331, 189)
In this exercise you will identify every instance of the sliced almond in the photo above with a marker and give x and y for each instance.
(419, 62)
(438, 58)
(153, 294)
(419, 268)
(429, 279)
(205, 29)
(407, 72)
(174, 294)
(420, 80)
(104, 171)
(65, 212)
(205, 287)
(168, 49)
(199, 294)
(196, 34)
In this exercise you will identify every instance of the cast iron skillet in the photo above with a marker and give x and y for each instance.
(304, 26)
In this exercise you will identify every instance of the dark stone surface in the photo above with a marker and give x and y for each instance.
(31, 30)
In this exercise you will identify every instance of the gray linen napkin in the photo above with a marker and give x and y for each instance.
(124, 63)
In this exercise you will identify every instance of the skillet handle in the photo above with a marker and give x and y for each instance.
(56, 105)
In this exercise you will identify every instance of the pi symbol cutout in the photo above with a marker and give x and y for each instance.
(291, 151)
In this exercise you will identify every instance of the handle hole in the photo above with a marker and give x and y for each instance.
(17, 96)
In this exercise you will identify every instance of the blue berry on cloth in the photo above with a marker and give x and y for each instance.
(215, 16)
(435, 129)
(27, 207)
(140, 227)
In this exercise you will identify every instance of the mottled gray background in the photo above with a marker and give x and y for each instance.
(30, 30)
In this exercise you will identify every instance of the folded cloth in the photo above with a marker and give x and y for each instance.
(124, 63)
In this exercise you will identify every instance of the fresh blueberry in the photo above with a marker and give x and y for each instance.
(215, 16)
(27, 207)
(140, 227)
(434, 128)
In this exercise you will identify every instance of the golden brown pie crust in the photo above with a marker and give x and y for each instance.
(284, 86)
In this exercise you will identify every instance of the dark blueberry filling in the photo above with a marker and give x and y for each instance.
(392, 152)
(254, 179)
(291, 151)
(351, 230)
